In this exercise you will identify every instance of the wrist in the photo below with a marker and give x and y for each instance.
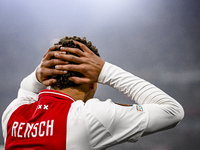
(103, 72)
(37, 74)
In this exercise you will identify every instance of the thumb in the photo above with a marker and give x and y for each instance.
(49, 82)
(80, 80)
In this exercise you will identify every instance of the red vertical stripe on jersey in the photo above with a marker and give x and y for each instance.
(40, 125)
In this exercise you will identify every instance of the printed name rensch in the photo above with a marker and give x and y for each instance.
(27, 130)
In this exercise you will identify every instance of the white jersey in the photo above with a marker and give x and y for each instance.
(53, 120)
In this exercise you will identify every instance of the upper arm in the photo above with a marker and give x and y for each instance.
(30, 86)
(162, 117)
(122, 122)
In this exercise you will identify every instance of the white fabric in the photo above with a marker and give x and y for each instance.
(99, 124)
(159, 104)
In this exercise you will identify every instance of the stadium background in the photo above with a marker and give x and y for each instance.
(155, 39)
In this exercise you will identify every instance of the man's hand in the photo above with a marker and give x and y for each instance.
(89, 64)
(44, 70)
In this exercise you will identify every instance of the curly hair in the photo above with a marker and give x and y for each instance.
(63, 80)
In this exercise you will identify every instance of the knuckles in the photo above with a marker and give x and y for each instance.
(41, 72)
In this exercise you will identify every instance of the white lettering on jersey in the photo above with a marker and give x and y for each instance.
(41, 124)
(15, 124)
(44, 107)
(39, 106)
(20, 128)
(43, 128)
(49, 127)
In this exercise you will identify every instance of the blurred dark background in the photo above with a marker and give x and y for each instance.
(155, 39)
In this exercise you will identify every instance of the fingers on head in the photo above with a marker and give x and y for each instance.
(73, 50)
(54, 62)
(71, 67)
(49, 72)
(80, 80)
(49, 82)
(71, 58)
(49, 55)
(51, 49)
(82, 46)
(54, 47)
(76, 80)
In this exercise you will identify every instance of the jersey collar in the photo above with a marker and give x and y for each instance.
(53, 93)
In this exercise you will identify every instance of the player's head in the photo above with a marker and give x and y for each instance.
(63, 80)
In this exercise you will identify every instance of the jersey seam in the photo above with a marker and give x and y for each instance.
(147, 118)
(107, 131)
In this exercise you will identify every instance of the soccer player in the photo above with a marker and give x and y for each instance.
(66, 116)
